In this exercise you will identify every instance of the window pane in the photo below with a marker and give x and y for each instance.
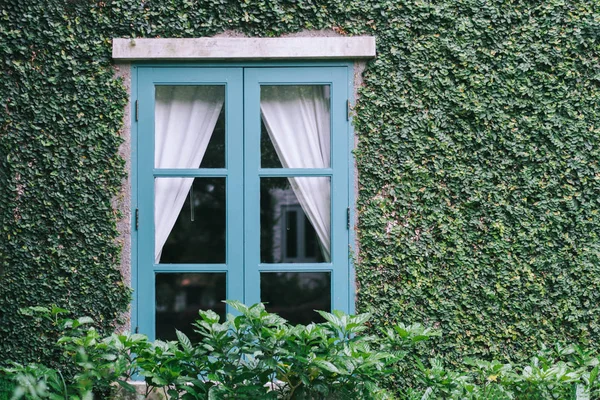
(296, 127)
(295, 220)
(180, 296)
(189, 127)
(214, 157)
(291, 232)
(295, 295)
(190, 217)
(268, 155)
(310, 238)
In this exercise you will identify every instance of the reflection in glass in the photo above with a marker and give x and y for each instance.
(189, 127)
(214, 157)
(198, 234)
(295, 295)
(179, 297)
(296, 127)
(294, 228)
(269, 157)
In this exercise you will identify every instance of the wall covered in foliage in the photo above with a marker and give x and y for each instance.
(478, 160)
(59, 170)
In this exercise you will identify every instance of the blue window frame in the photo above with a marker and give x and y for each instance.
(245, 271)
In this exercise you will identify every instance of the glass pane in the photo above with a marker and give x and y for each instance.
(295, 295)
(180, 296)
(291, 233)
(269, 157)
(189, 127)
(214, 157)
(296, 127)
(295, 220)
(190, 217)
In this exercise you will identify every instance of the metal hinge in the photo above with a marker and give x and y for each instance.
(347, 110)
(137, 218)
(137, 110)
(348, 218)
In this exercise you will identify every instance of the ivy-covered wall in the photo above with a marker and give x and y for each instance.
(478, 160)
(60, 109)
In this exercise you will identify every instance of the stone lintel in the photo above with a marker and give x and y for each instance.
(227, 48)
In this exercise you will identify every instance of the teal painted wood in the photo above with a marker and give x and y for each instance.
(336, 77)
(242, 173)
(339, 190)
(145, 190)
(243, 64)
(191, 267)
(299, 267)
(273, 172)
(352, 191)
(235, 190)
(205, 172)
(134, 196)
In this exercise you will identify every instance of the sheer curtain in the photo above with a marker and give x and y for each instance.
(298, 122)
(185, 117)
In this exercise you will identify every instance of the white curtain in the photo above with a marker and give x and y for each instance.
(185, 117)
(298, 122)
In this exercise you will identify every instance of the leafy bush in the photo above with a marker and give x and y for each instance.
(569, 372)
(252, 355)
(258, 355)
(6, 387)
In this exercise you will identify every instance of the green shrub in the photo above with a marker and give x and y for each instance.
(258, 355)
(252, 355)
(565, 373)
(6, 387)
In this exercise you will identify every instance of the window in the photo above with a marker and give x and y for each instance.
(241, 190)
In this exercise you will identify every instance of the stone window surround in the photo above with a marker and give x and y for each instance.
(302, 46)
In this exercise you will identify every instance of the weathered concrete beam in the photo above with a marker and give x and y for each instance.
(226, 48)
